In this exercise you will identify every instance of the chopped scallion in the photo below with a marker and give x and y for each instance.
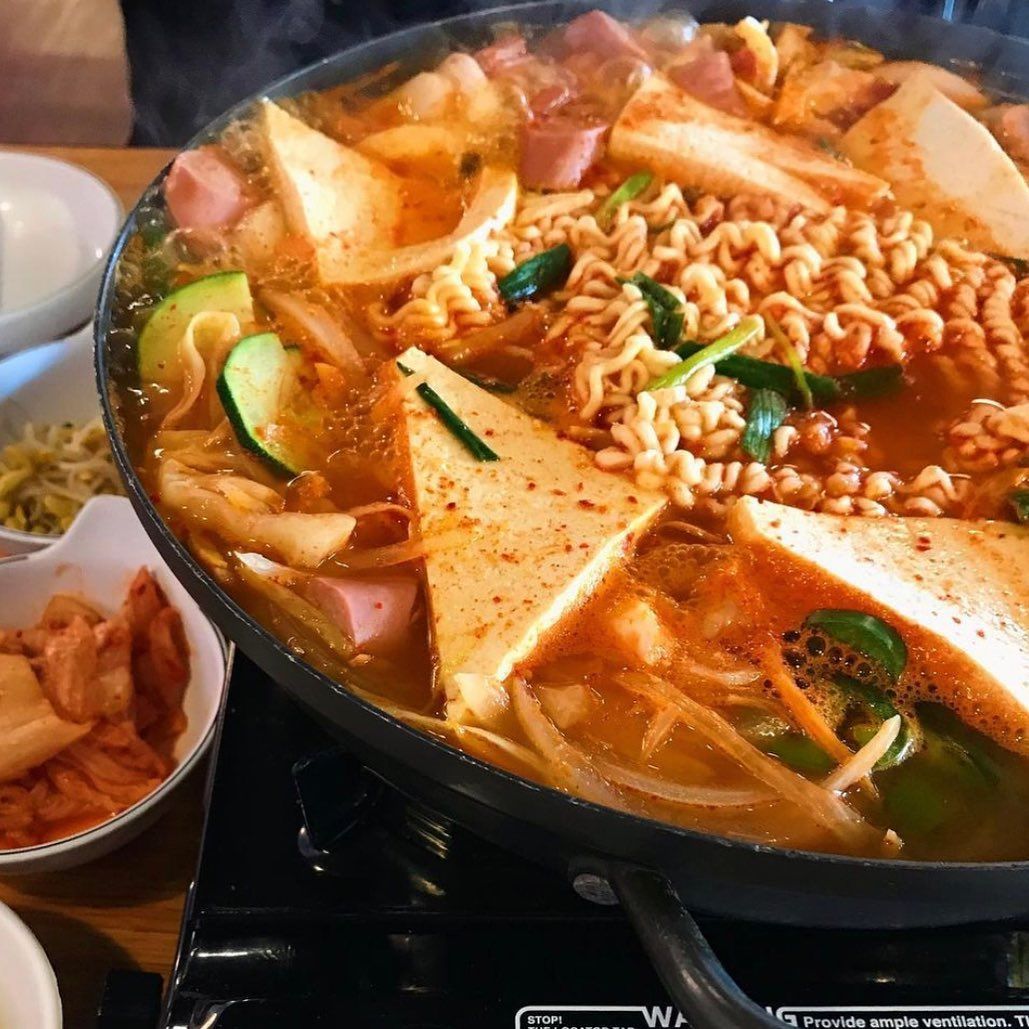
(789, 351)
(872, 382)
(1019, 500)
(628, 190)
(765, 413)
(540, 274)
(666, 313)
(475, 446)
(714, 352)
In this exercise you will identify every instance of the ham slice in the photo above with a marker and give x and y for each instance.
(601, 34)
(557, 152)
(496, 58)
(204, 191)
(373, 612)
(710, 78)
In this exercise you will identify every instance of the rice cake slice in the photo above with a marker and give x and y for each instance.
(945, 166)
(956, 591)
(511, 546)
(665, 128)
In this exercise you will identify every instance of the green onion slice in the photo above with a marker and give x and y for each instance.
(758, 374)
(666, 313)
(479, 450)
(1019, 500)
(793, 360)
(540, 274)
(872, 382)
(628, 190)
(864, 633)
(766, 412)
(722, 347)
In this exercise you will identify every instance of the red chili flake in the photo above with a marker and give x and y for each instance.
(532, 485)
(378, 605)
(980, 633)
(496, 600)
(923, 543)
(586, 503)
(568, 548)
(632, 500)
(452, 506)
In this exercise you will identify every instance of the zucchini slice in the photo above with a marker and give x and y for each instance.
(250, 387)
(224, 291)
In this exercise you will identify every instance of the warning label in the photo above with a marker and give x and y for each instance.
(641, 1016)
(906, 1017)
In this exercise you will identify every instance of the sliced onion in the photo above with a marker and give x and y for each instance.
(569, 769)
(200, 352)
(862, 763)
(321, 330)
(381, 507)
(718, 676)
(382, 557)
(681, 793)
(483, 696)
(823, 806)
(659, 730)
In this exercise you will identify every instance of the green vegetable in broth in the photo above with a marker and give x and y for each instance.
(864, 633)
(714, 352)
(872, 382)
(871, 707)
(767, 411)
(458, 428)
(157, 356)
(666, 313)
(773, 735)
(796, 365)
(1019, 500)
(250, 387)
(539, 275)
(758, 374)
(631, 188)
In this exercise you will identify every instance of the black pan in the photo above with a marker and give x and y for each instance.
(658, 872)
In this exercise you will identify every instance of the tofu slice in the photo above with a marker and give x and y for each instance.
(492, 207)
(351, 206)
(945, 166)
(956, 591)
(694, 144)
(340, 200)
(31, 730)
(512, 546)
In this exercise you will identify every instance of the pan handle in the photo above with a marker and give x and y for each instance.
(683, 959)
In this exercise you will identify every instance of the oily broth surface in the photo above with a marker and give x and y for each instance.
(362, 466)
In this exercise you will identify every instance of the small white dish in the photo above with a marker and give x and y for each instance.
(29, 998)
(52, 382)
(97, 558)
(57, 223)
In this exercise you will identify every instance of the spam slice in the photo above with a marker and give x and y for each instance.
(694, 144)
(956, 591)
(512, 545)
(945, 166)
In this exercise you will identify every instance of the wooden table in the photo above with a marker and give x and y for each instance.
(122, 911)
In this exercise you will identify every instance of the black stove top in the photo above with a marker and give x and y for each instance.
(324, 898)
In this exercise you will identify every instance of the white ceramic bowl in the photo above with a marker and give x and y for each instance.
(28, 989)
(57, 223)
(48, 383)
(97, 558)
